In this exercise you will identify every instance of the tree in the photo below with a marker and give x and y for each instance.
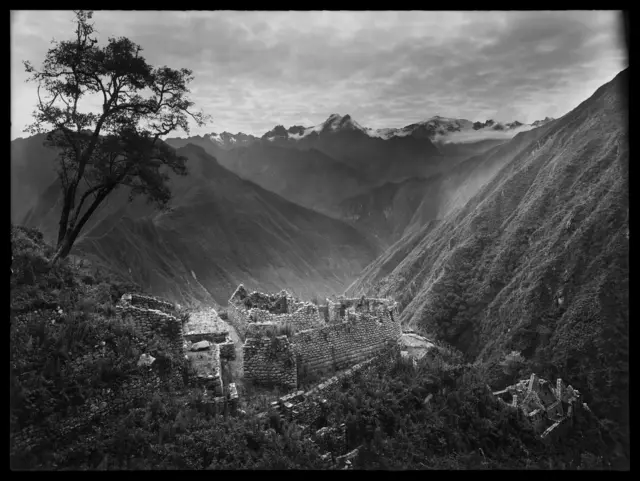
(119, 146)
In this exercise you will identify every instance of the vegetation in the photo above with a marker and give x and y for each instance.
(273, 303)
(435, 414)
(119, 146)
(536, 262)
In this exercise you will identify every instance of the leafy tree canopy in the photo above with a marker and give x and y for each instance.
(118, 145)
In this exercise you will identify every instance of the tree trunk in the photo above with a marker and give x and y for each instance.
(64, 247)
(71, 235)
(64, 217)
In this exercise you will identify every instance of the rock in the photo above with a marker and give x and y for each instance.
(146, 360)
(200, 346)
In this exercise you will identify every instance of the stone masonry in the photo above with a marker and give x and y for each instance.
(306, 407)
(206, 325)
(149, 302)
(299, 315)
(354, 330)
(340, 345)
(204, 338)
(548, 406)
(270, 361)
(149, 320)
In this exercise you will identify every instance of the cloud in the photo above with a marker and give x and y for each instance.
(387, 69)
(482, 134)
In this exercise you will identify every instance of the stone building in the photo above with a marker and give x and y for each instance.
(200, 336)
(549, 406)
(285, 336)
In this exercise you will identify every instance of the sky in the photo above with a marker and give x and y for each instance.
(254, 70)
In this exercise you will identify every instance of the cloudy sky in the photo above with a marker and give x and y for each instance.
(387, 69)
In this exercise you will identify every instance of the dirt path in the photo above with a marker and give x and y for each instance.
(237, 363)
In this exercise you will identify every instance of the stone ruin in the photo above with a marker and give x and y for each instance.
(550, 407)
(285, 336)
(201, 337)
(255, 311)
(306, 409)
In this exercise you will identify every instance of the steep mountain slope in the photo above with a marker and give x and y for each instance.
(35, 191)
(385, 212)
(305, 177)
(379, 160)
(32, 172)
(221, 231)
(537, 260)
(393, 210)
(308, 178)
(212, 148)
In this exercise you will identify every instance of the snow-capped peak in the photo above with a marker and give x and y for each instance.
(227, 139)
(435, 127)
(337, 122)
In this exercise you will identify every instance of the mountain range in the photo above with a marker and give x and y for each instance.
(514, 239)
(434, 128)
(322, 166)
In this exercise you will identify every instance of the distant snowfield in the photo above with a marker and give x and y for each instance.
(443, 129)
(482, 134)
(437, 129)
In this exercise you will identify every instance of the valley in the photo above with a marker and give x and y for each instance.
(404, 291)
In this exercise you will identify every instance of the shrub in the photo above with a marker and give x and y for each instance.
(513, 363)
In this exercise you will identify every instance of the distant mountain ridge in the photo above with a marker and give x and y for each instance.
(431, 128)
(221, 230)
(322, 166)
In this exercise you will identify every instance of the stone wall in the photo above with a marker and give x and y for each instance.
(149, 302)
(340, 345)
(227, 350)
(359, 329)
(306, 316)
(239, 319)
(542, 402)
(332, 439)
(261, 329)
(206, 364)
(306, 408)
(151, 322)
(205, 325)
(270, 362)
(299, 315)
(338, 311)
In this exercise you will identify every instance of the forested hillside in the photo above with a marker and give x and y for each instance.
(537, 261)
